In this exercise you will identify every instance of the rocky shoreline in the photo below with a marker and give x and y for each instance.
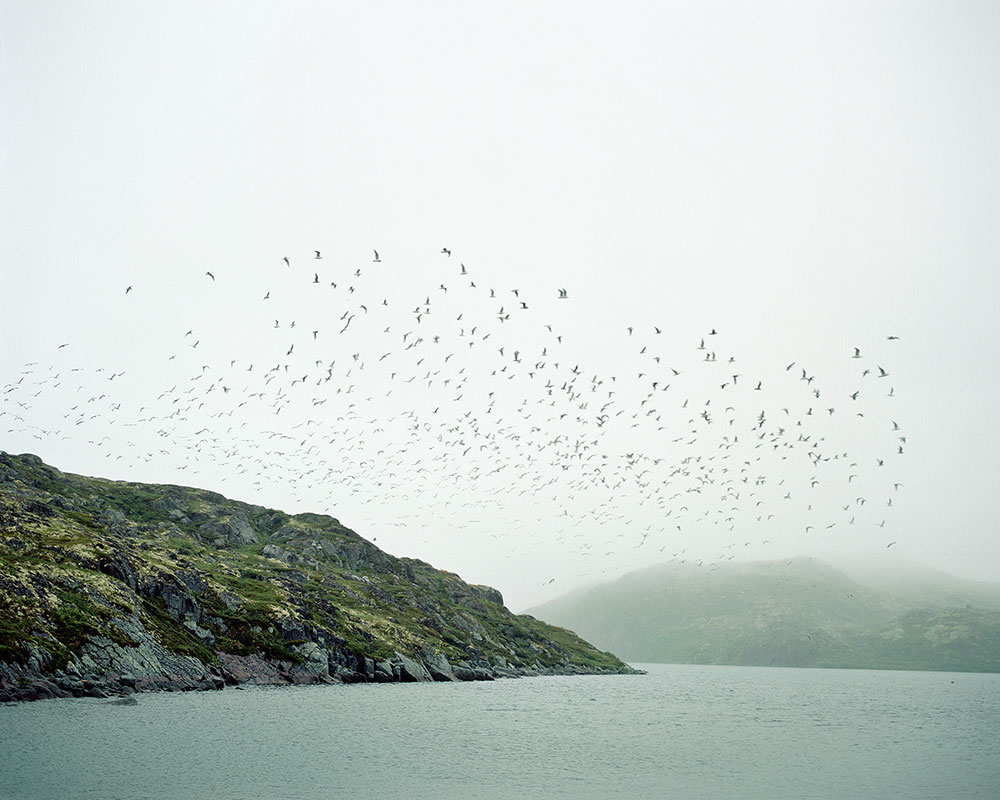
(83, 676)
(109, 587)
(107, 669)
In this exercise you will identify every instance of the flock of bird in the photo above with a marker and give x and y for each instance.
(461, 410)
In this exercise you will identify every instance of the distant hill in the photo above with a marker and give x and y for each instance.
(797, 613)
(109, 586)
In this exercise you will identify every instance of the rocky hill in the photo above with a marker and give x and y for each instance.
(797, 613)
(109, 586)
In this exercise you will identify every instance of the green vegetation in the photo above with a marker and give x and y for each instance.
(247, 630)
(15, 629)
(171, 635)
(801, 613)
(85, 558)
(75, 619)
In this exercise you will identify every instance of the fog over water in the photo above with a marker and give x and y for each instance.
(598, 287)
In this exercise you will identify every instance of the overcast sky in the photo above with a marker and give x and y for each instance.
(720, 189)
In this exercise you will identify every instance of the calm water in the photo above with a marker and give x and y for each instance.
(681, 731)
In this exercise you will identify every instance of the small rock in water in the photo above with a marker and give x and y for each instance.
(127, 700)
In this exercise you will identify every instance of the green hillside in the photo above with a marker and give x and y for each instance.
(797, 613)
(108, 586)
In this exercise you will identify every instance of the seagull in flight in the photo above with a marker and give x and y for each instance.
(128, 289)
(210, 275)
(317, 254)
(446, 251)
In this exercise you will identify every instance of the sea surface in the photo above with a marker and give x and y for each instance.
(677, 732)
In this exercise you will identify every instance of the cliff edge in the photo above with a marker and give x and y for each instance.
(109, 587)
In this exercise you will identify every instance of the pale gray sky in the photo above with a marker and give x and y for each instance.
(805, 179)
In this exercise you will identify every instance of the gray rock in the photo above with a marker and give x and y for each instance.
(315, 668)
(70, 684)
(233, 602)
(117, 566)
(112, 516)
(123, 701)
(236, 530)
(289, 557)
(506, 672)
(439, 668)
(202, 633)
(250, 669)
(487, 593)
(179, 603)
(466, 672)
(410, 671)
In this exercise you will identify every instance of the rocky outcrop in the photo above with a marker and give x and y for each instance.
(104, 668)
(109, 588)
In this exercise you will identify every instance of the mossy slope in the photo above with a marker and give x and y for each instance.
(98, 576)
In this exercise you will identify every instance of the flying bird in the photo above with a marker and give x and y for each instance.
(210, 275)
(317, 254)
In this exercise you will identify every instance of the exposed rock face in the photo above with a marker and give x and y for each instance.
(109, 588)
(235, 531)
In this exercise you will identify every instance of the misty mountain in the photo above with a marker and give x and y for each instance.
(796, 613)
(908, 582)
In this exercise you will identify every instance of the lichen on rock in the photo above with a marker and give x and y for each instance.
(109, 587)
